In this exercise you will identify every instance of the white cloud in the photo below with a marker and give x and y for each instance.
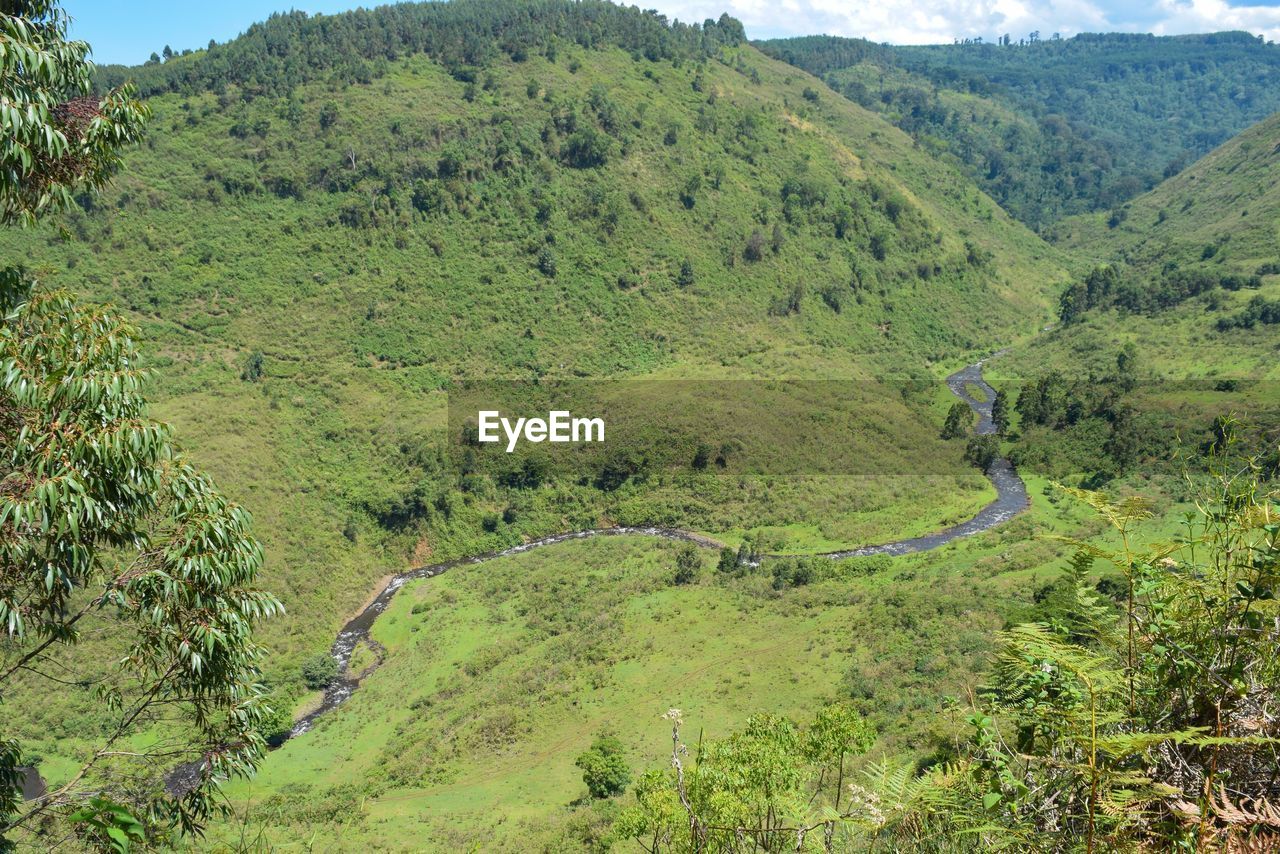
(941, 21)
(1193, 16)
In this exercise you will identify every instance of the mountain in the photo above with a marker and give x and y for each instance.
(1175, 325)
(337, 219)
(1196, 259)
(1056, 127)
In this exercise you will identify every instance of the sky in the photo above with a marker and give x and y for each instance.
(127, 31)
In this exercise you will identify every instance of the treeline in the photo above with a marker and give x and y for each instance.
(1260, 310)
(1089, 127)
(1104, 288)
(1086, 423)
(289, 49)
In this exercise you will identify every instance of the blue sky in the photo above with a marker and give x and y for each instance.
(129, 30)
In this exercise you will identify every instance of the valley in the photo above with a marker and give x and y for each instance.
(933, 501)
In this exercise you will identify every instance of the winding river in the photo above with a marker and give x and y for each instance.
(1011, 499)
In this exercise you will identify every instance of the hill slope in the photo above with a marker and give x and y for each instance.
(1198, 263)
(314, 266)
(1058, 126)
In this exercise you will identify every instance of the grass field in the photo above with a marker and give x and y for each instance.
(498, 675)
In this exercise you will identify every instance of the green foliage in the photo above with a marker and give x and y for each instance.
(58, 137)
(959, 419)
(288, 50)
(1119, 727)
(1000, 412)
(688, 564)
(982, 451)
(765, 786)
(604, 768)
(108, 826)
(107, 526)
(319, 671)
(1055, 127)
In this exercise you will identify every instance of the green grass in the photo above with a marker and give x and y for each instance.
(498, 675)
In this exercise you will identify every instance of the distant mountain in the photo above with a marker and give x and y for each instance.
(1058, 126)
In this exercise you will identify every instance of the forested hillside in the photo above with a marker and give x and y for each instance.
(1052, 127)
(1193, 265)
(1172, 330)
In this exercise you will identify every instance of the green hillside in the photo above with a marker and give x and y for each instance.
(1053, 127)
(1175, 326)
(314, 264)
(342, 233)
(1197, 263)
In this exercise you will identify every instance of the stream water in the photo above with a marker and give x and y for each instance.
(1011, 499)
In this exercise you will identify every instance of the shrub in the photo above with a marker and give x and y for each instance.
(319, 671)
(688, 564)
(252, 369)
(585, 148)
(686, 276)
(604, 769)
(547, 262)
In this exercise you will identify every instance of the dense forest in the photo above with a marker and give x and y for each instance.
(1054, 127)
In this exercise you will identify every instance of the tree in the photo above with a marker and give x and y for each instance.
(1000, 412)
(688, 564)
(761, 788)
(837, 733)
(604, 768)
(982, 451)
(957, 424)
(686, 276)
(103, 522)
(547, 262)
(728, 561)
(319, 671)
(585, 148)
(754, 250)
(1127, 367)
(252, 368)
(328, 115)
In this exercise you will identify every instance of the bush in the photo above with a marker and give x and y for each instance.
(585, 149)
(686, 276)
(603, 768)
(275, 727)
(252, 369)
(794, 573)
(547, 262)
(688, 564)
(319, 671)
(982, 451)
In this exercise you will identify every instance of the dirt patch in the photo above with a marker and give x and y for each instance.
(422, 552)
